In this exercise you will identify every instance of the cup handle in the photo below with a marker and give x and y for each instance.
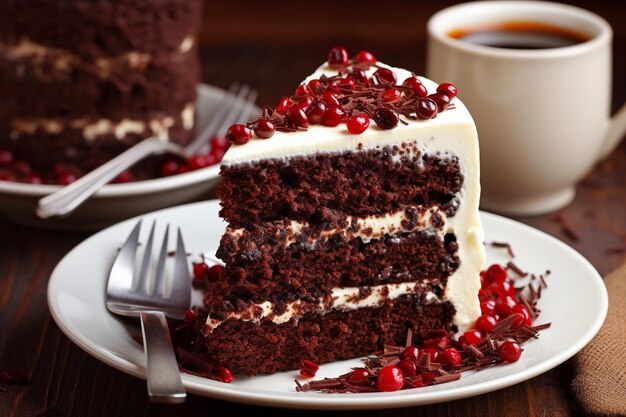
(616, 131)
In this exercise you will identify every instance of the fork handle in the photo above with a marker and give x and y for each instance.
(163, 376)
(71, 196)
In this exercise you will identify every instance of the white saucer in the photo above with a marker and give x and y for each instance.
(115, 202)
(575, 302)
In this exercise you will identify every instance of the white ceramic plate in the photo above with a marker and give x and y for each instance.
(76, 300)
(115, 202)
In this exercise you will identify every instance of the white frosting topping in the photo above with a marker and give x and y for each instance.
(344, 299)
(451, 133)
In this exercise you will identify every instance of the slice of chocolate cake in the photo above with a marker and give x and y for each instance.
(83, 80)
(343, 236)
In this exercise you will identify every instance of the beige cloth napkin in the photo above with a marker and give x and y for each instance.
(600, 381)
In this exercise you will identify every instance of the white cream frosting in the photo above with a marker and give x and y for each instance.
(343, 299)
(93, 129)
(452, 132)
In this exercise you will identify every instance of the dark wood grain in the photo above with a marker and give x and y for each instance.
(272, 48)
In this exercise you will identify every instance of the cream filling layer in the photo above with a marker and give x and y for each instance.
(62, 60)
(366, 228)
(158, 127)
(343, 299)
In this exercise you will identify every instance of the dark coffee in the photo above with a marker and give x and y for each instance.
(520, 35)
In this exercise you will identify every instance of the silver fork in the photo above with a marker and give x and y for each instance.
(136, 295)
(237, 108)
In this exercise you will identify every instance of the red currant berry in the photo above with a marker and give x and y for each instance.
(283, 104)
(442, 101)
(472, 337)
(198, 161)
(447, 89)
(390, 95)
(390, 378)
(386, 118)
(200, 269)
(385, 76)
(191, 315)
(316, 87)
(297, 117)
(510, 351)
(334, 116)
(496, 272)
(485, 323)
(410, 353)
(488, 307)
(408, 368)
(305, 102)
(169, 168)
(330, 99)
(426, 108)
(264, 129)
(359, 376)
(366, 56)
(303, 90)
(309, 367)
(358, 123)
(523, 318)
(337, 57)
(124, 177)
(219, 142)
(224, 375)
(215, 272)
(504, 305)
(238, 134)
(502, 288)
(450, 356)
(67, 178)
(416, 85)
(316, 112)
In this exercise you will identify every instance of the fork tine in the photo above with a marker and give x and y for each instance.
(141, 282)
(121, 275)
(214, 125)
(181, 290)
(159, 289)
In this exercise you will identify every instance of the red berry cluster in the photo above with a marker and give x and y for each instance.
(217, 149)
(12, 169)
(350, 97)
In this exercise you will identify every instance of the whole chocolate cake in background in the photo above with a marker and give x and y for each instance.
(83, 80)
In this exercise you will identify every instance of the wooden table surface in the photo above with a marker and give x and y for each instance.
(272, 49)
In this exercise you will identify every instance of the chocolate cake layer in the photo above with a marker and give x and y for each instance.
(248, 348)
(95, 28)
(357, 183)
(297, 272)
(164, 83)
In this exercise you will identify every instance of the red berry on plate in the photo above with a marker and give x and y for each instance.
(264, 129)
(523, 316)
(488, 307)
(337, 57)
(191, 315)
(510, 351)
(66, 178)
(410, 353)
(359, 376)
(200, 269)
(447, 89)
(358, 123)
(496, 272)
(472, 337)
(297, 117)
(504, 305)
(407, 367)
(390, 95)
(238, 134)
(390, 378)
(303, 90)
(34, 179)
(224, 375)
(309, 367)
(198, 161)
(316, 87)
(502, 288)
(124, 177)
(450, 356)
(169, 167)
(366, 56)
(330, 99)
(219, 142)
(485, 323)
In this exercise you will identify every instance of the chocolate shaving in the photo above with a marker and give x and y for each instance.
(513, 267)
(505, 245)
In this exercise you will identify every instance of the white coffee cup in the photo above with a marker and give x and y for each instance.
(543, 115)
